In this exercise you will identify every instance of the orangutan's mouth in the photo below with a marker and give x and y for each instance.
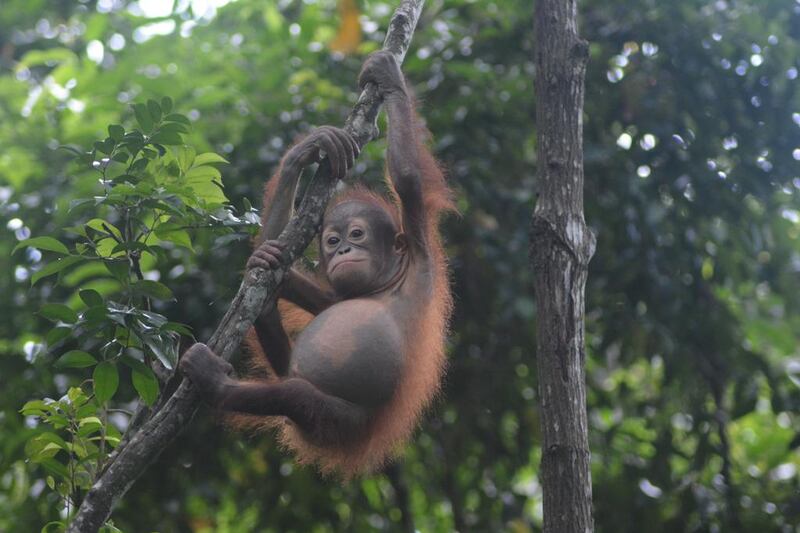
(340, 263)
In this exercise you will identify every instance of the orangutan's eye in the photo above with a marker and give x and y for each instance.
(333, 240)
(356, 233)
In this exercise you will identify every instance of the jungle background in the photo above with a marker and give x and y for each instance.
(692, 142)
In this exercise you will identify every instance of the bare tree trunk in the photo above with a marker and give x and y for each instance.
(561, 247)
(152, 435)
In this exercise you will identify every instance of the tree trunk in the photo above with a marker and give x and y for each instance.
(150, 436)
(561, 247)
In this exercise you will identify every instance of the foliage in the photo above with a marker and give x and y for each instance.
(691, 145)
(75, 452)
(154, 189)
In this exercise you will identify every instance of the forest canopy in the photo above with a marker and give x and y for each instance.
(691, 141)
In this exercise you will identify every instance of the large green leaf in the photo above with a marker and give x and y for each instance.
(106, 381)
(59, 312)
(75, 359)
(145, 383)
(105, 227)
(143, 117)
(43, 243)
(172, 232)
(56, 266)
(206, 183)
(116, 132)
(91, 297)
(185, 156)
(153, 289)
(154, 109)
(208, 158)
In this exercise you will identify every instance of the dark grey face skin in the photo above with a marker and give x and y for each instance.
(360, 248)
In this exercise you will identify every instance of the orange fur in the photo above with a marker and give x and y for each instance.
(425, 360)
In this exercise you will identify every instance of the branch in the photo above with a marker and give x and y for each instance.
(258, 288)
(561, 247)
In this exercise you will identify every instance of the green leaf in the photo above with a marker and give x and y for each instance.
(134, 136)
(105, 146)
(55, 526)
(153, 319)
(56, 468)
(168, 138)
(166, 104)
(106, 381)
(43, 243)
(34, 407)
(44, 446)
(89, 425)
(143, 117)
(52, 438)
(154, 109)
(177, 327)
(34, 446)
(91, 297)
(127, 246)
(164, 352)
(202, 181)
(169, 231)
(177, 117)
(57, 334)
(80, 449)
(104, 227)
(56, 267)
(153, 289)
(149, 153)
(48, 451)
(208, 158)
(75, 359)
(185, 156)
(145, 383)
(74, 149)
(90, 420)
(128, 179)
(77, 396)
(202, 174)
(140, 164)
(81, 204)
(77, 230)
(174, 127)
(59, 312)
(120, 269)
(116, 132)
(145, 188)
(86, 410)
(94, 315)
(105, 248)
(132, 143)
(57, 421)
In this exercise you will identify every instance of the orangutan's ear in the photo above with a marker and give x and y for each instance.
(400, 243)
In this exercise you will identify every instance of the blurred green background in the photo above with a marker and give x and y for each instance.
(692, 142)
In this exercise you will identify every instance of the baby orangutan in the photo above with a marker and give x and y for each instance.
(349, 388)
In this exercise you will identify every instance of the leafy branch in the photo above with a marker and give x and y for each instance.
(154, 188)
